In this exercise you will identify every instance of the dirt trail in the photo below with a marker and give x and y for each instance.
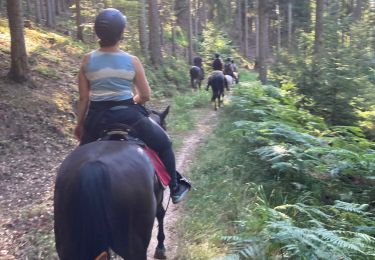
(26, 193)
(184, 159)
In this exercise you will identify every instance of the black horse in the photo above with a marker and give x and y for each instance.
(218, 82)
(196, 77)
(107, 197)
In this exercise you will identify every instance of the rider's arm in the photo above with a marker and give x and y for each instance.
(84, 98)
(143, 91)
(84, 92)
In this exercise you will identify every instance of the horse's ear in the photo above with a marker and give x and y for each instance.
(164, 114)
(166, 111)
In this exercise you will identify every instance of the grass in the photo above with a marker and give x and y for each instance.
(185, 108)
(237, 191)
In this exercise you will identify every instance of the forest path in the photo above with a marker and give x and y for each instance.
(26, 191)
(185, 157)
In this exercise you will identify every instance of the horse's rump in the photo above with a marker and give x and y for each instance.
(195, 72)
(120, 177)
(196, 77)
(230, 80)
(217, 82)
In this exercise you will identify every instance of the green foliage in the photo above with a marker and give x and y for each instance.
(306, 232)
(184, 106)
(280, 182)
(169, 78)
(215, 41)
(338, 84)
(47, 71)
(181, 37)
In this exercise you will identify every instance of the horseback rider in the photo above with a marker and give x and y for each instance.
(197, 61)
(217, 64)
(106, 78)
(234, 66)
(235, 72)
(229, 69)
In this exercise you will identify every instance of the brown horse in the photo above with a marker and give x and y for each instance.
(107, 197)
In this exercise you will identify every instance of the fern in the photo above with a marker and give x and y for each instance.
(249, 248)
(306, 232)
(351, 207)
(320, 241)
(308, 210)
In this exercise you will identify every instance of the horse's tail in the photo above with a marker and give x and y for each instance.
(94, 202)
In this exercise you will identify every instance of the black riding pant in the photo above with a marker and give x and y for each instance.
(143, 127)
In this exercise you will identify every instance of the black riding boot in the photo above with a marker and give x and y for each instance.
(155, 137)
(179, 188)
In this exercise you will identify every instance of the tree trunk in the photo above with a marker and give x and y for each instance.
(267, 30)
(256, 33)
(357, 15)
(238, 21)
(58, 7)
(19, 67)
(278, 27)
(161, 27)
(51, 17)
(210, 9)
(154, 24)
(38, 12)
(161, 34)
(204, 13)
(78, 21)
(142, 22)
(318, 42)
(28, 9)
(290, 23)
(53, 12)
(246, 30)
(196, 19)
(174, 44)
(48, 14)
(263, 16)
(43, 9)
(182, 14)
(190, 35)
(201, 15)
(65, 6)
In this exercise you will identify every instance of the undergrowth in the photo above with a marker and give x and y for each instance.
(275, 181)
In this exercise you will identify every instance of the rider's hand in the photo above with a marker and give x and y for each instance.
(78, 132)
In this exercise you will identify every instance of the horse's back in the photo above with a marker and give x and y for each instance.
(195, 71)
(121, 159)
(217, 81)
(131, 203)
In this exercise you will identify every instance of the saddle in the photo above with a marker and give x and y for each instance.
(122, 132)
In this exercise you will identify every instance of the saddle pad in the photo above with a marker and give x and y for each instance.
(160, 170)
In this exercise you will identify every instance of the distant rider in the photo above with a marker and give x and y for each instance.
(217, 64)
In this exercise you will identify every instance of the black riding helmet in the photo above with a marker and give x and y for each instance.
(109, 26)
